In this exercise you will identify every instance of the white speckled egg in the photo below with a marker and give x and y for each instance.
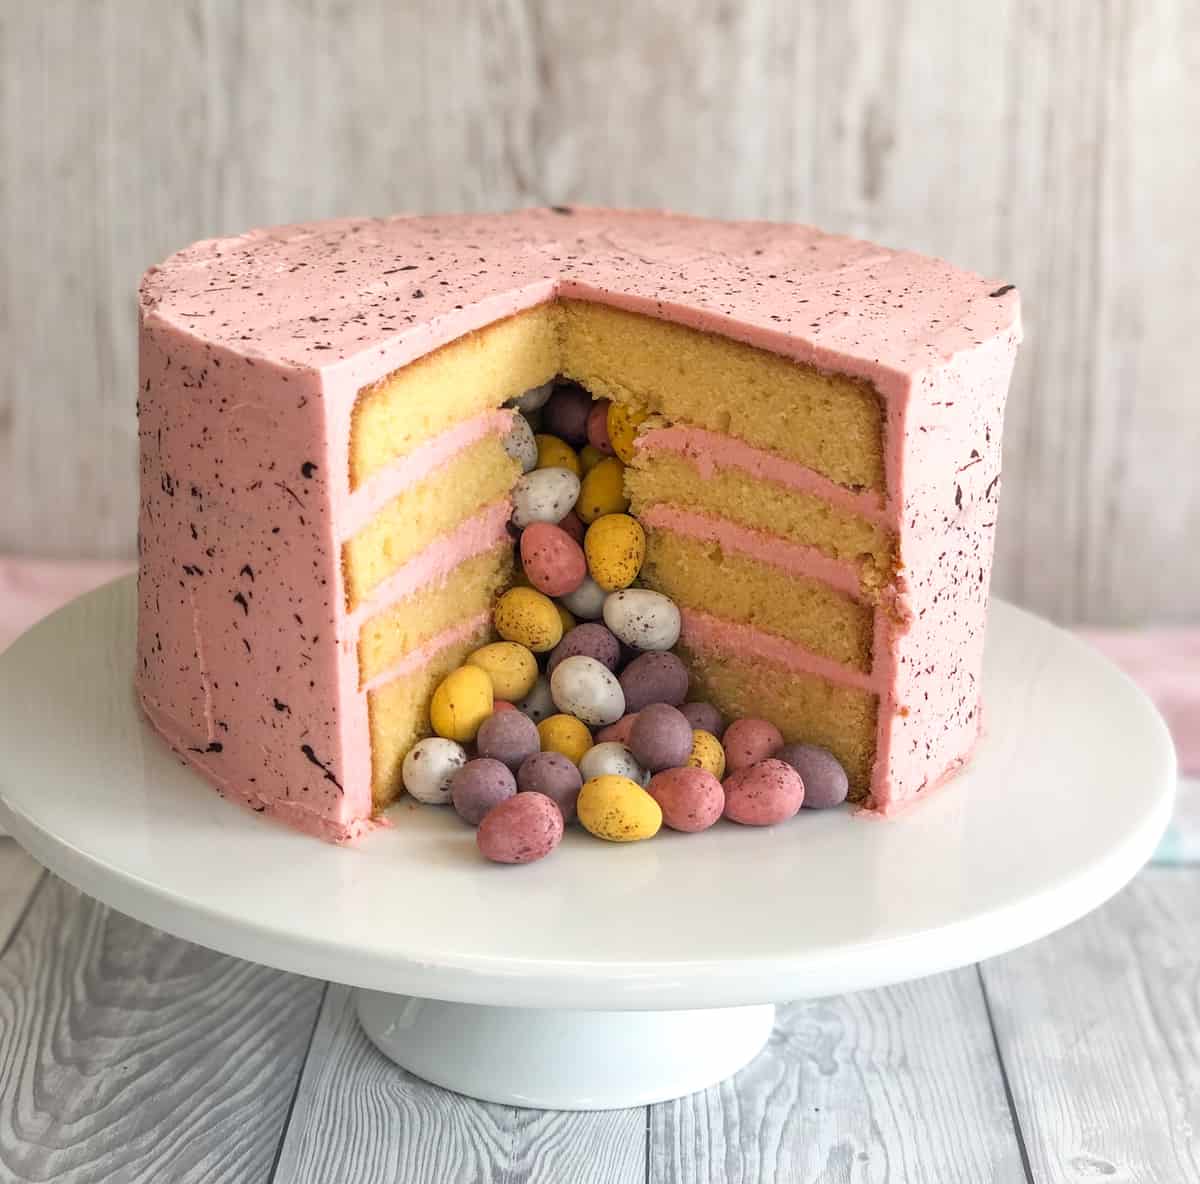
(643, 619)
(429, 768)
(533, 398)
(520, 444)
(588, 690)
(538, 704)
(586, 602)
(611, 757)
(545, 495)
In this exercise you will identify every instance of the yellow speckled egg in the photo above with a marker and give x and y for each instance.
(602, 491)
(463, 700)
(707, 753)
(554, 453)
(564, 615)
(615, 546)
(623, 423)
(529, 618)
(618, 809)
(565, 734)
(589, 457)
(511, 667)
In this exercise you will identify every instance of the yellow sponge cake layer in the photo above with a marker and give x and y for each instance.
(831, 423)
(804, 707)
(399, 710)
(473, 373)
(702, 574)
(666, 478)
(478, 476)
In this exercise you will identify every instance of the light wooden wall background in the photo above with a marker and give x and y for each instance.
(1055, 143)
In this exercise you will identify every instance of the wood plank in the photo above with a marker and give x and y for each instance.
(127, 1055)
(19, 876)
(897, 1084)
(1099, 1029)
(358, 1117)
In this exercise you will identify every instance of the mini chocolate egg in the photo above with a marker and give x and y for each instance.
(552, 559)
(533, 399)
(478, 786)
(654, 678)
(643, 619)
(705, 717)
(592, 640)
(589, 458)
(429, 768)
(512, 668)
(597, 427)
(553, 453)
(545, 495)
(763, 794)
(529, 618)
(825, 781)
(615, 546)
(623, 423)
(691, 799)
(520, 829)
(618, 731)
(553, 774)
(565, 734)
(587, 601)
(706, 753)
(520, 444)
(538, 704)
(660, 737)
(618, 809)
(748, 741)
(462, 701)
(611, 757)
(508, 737)
(568, 621)
(573, 525)
(602, 491)
(588, 690)
(566, 412)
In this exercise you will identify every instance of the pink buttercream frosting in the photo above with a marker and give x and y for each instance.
(253, 351)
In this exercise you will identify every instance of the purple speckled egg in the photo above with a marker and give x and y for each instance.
(690, 799)
(566, 414)
(704, 717)
(554, 775)
(597, 428)
(825, 782)
(763, 794)
(618, 731)
(478, 786)
(508, 737)
(748, 741)
(590, 640)
(660, 737)
(520, 829)
(654, 678)
(573, 525)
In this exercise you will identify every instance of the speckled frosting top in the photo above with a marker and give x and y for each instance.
(318, 295)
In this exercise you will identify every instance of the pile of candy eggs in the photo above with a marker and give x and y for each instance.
(580, 712)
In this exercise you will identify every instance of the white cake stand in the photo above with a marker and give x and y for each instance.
(606, 975)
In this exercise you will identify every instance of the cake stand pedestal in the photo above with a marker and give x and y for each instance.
(605, 975)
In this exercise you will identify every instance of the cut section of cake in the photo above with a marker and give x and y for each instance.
(325, 489)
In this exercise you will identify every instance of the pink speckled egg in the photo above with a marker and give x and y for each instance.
(520, 829)
(552, 559)
(690, 799)
(597, 427)
(763, 794)
(748, 741)
(618, 731)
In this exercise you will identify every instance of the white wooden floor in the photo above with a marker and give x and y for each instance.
(127, 1055)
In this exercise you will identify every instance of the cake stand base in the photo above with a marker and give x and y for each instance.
(563, 1060)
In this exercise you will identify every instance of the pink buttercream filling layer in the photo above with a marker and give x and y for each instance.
(365, 502)
(414, 660)
(794, 558)
(472, 537)
(702, 631)
(708, 451)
